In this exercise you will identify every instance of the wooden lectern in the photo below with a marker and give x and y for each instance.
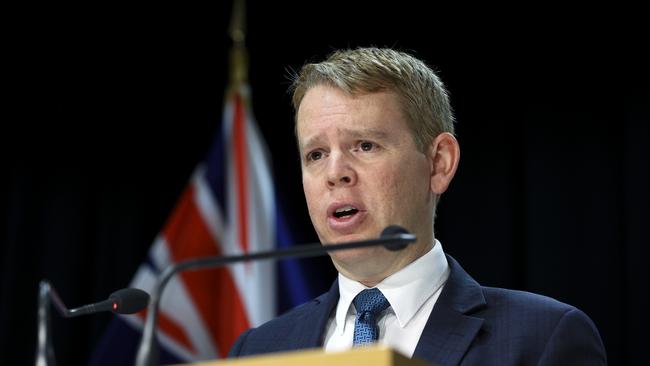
(361, 356)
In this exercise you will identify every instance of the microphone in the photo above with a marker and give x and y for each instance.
(124, 301)
(394, 231)
(393, 238)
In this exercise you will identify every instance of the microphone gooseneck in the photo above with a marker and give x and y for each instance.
(392, 238)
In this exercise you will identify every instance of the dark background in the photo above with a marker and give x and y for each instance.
(110, 109)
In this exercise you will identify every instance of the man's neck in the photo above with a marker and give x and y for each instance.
(374, 276)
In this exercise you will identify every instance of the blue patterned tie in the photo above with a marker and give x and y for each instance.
(369, 304)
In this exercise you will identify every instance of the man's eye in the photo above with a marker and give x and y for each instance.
(366, 146)
(314, 155)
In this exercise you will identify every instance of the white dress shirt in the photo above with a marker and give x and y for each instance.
(411, 292)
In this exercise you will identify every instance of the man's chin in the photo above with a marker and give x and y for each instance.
(340, 239)
(361, 263)
(351, 257)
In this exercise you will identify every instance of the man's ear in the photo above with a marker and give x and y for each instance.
(444, 155)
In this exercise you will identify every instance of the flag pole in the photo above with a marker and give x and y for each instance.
(148, 351)
(238, 55)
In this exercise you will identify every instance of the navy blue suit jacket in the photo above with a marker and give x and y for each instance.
(469, 325)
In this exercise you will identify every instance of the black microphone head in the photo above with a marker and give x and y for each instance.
(394, 231)
(129, 300)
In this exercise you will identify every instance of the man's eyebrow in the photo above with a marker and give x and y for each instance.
(309, 142)
(363, 133)
(357, 134)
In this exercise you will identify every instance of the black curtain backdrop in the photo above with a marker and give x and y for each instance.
(110, 109)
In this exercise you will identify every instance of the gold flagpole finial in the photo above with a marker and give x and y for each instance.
(238, 54)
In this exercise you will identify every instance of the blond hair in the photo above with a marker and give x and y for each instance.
(421, 93)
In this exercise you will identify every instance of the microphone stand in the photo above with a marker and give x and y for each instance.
(148, 350)
(47, 295)
(44, 349)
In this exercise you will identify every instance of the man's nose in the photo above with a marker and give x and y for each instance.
(340, 173)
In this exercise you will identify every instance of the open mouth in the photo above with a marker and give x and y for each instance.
(345, 211)
(346, 217)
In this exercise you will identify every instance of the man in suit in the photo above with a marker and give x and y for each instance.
(375, 133)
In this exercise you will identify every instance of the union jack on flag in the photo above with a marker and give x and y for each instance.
(228, 208)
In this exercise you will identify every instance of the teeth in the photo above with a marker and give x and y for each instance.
(345, 209)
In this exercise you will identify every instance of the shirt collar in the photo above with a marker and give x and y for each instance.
(406, 290)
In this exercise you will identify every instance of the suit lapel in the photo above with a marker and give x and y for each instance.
(447, 335)
(315, 319)
(449, 330)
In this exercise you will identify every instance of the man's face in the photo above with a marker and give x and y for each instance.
(362, 172)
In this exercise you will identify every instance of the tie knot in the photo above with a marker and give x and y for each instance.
(370, 300)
